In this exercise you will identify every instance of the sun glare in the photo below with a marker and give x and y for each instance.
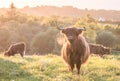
(90, 4)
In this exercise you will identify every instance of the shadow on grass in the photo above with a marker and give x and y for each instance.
(11, 71)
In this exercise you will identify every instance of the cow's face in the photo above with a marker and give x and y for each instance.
(71, 33)
(6, 54)
(107, 50)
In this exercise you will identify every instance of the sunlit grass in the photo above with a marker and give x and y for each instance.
(51, 68)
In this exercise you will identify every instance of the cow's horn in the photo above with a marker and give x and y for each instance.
(59, 28)
(84, 29)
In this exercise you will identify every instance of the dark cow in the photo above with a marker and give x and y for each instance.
(98, 49)
(76, 49)
(16, 48)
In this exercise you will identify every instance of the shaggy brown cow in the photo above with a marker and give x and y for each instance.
(16, 48)
(99, 49)
(76, 49)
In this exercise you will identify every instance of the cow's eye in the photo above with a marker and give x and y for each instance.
(67, 34)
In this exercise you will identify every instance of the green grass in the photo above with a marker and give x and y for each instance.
(51, 68)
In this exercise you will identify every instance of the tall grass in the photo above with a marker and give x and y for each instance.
(51, 68)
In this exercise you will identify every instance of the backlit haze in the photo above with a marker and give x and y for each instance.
(81, 4)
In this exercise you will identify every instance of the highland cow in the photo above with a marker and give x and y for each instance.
(75, 51)
(99, 49)
(16, 48)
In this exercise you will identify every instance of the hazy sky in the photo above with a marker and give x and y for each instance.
(82, 4)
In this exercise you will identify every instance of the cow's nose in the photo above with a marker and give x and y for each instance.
(70, 37)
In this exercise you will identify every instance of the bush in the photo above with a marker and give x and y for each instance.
(43, 42)
(90, 35)
(106, 38)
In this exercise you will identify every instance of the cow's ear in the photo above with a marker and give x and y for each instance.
(79, 31)
(63, 31)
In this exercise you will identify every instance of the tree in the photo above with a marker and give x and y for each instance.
(44, 42)
(90, 19)
(12, 13)
(106, 38)
(4, 38)
(117, 33)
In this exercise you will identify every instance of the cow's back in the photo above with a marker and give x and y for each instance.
(95, 48)
(18, 47)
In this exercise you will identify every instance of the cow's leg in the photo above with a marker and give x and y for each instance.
(21, 54)
(67, 62)
(78, 65)
(8, 55)
(13, 55)
(101, 55)
(70, 62)
(71, 66)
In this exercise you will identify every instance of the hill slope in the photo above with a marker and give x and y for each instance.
(51, 68)
(68, 11)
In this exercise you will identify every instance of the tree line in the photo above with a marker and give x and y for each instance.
(41, 35)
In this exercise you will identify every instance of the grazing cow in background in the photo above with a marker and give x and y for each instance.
(99, 49)
(76, 49)
(16, 48)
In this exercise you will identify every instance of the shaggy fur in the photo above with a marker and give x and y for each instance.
(75, 51)
(99, 49)
(16, 48)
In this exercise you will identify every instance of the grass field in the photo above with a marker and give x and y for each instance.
(51, 68)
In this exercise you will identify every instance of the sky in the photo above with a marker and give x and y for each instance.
(81, 4)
